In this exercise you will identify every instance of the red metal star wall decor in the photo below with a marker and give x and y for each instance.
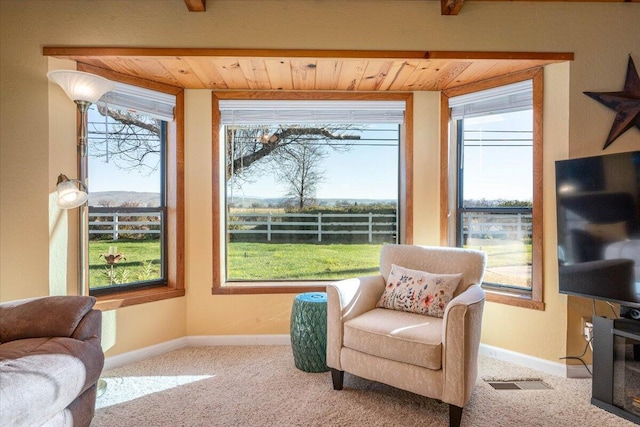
(625, 103)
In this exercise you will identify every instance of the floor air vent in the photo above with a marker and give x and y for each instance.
(519, 385)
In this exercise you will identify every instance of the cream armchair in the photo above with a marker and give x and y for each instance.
(430, 356)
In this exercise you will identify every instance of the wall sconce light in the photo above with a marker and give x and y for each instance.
(71, 192)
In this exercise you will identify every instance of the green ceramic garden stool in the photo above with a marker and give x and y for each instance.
(309, 331)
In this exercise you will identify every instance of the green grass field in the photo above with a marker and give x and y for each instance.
(274, 261)
(142, 261)
(300, 261)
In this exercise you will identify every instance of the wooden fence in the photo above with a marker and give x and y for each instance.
(117, 223)
(494, 226)
(476, 225)
(318, 224)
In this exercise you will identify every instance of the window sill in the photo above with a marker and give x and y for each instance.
(241, 288)
(142, 296)
(513, 299)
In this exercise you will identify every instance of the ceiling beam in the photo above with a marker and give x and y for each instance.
(70, 52)
(450, 7)
(196, 5)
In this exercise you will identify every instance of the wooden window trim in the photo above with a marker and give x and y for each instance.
(174, 286)
(535, 299)
(292, 287)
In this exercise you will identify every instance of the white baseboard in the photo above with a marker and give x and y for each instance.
(144, 353)
(554, 368)
(193, 341)
(547, 366)
(579, 371)
(216, 340)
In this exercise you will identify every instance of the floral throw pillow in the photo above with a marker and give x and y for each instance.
(418, 291)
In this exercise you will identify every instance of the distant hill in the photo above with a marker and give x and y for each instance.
(251, 201)
(145, 199)
(120, 198)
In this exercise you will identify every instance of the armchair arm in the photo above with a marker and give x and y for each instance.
(54, 316)
(462, 325)
(347, 299)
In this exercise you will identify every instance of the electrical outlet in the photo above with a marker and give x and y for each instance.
(587, 329)
(588, 332)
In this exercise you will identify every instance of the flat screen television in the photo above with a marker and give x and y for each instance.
(598, 224)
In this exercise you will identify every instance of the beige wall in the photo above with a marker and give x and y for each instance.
(541, 333)
(37, 128)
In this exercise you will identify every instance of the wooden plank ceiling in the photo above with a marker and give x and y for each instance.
(304, 70)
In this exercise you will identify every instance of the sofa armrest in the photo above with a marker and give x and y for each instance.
(347, 299)
(89, 327)
(89, 335)
(54, 316)
(462, 325)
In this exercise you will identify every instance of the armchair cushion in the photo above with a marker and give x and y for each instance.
(395, 335)
(418, 292)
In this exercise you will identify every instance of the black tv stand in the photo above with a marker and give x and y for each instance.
(616, 367)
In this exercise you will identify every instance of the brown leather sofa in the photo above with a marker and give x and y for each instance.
(50, 361)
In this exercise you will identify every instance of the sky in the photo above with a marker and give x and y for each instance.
(504, 172)
(106, 176)
(369, 172)
(363, 172)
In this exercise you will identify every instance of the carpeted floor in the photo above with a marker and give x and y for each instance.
(260, 386)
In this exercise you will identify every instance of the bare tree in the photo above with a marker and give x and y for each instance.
(132, 141)
(300, 170)
(246, 145)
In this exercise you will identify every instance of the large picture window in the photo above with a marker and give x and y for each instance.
(311, 189)
(495, 151)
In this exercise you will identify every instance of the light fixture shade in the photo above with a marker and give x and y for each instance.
(80, 86)
(69, 195)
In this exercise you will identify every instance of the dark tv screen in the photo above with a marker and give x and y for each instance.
(598, 224)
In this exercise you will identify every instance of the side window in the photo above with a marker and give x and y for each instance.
(127, 172)
(495, 191)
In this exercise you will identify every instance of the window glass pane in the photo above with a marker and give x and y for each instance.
(497, 160)
(124, 159)
(126, 206)
(496, 194)
(506, 238)
(309, 202)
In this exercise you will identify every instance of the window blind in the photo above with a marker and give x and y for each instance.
(140, 100)
(502, 99)
(248, 112)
